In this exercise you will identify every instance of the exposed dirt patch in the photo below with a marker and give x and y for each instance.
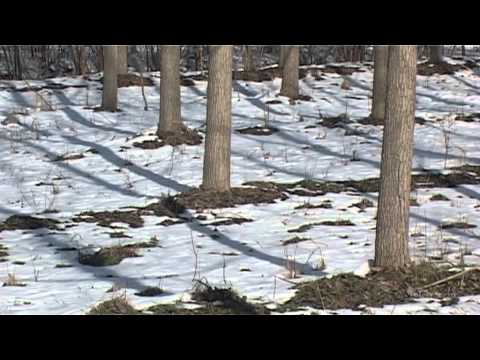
(327, 204)
(464, 175)
(380, 122)
(225, 300)
(468, 117)
(118, 235)
(443, 68)
(258, 130)
(341, 70)
(273, 102)
(183, 136)
(107, 256)
(231, 221)
(306, 227)
(107, 218)
(363, 204)
(66, 157)
(116, 306)
(203, 199)
(332, 122)
(150, 291)
(347, 291)
(457, 225)
(3, 253)
(126, 80)
(439, 197)
(26, 222)
(294, 240)
(186, 81)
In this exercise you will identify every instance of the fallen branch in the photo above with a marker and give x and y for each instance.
(453, 277)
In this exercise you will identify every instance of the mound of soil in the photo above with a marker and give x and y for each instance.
(334, 121)
(26, 222)
(347, 291)
(150, 292)
(107, 256)
(443, 68)
(294, 240)
(66, 157)
(206, 199)
(225, 299)
(258, 130)
(184, 136)
(439, 197)
(327, 204)
(116, 306)
(106, 218)
(126, 80)
(363, 204)
(231, 221)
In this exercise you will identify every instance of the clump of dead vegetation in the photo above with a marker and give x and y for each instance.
(107, 256)
(118, 305)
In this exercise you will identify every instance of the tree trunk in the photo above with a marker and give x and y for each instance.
(122, 59)
(436, 54)
(379, 83)
(170, 104)
(290, 72)
(248, 62)
(392, 231)
(281, 60)
(110, 85)
(216, 166)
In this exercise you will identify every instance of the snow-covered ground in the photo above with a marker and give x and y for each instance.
(255, 263)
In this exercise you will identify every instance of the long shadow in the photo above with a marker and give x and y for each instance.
(72, 169)
(256, 101)
(80, 119)
(52, 238)
(475, 88)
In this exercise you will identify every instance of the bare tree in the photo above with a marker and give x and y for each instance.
(436, 56)
(379, 83)
(122, 59)
(110, 85)
(216, 166)
(290, 72)
(170, 103)
(392, 231)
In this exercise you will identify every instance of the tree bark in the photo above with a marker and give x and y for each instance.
(248, 62)
(122, 59)
(110, 85)
(281, 60)
(170, 103)
(379, 83)
(216, 166)
(436, 56)
(392, 231)
(290, 72)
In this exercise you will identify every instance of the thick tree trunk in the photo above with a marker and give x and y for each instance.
(122, 59)
(248, 62)
(170, 104)
(281, 60)
(290, 72)
(216, 166)
(392, 231)
(436, 56)
(379, 83)
(110, 86)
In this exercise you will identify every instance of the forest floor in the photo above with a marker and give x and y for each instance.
(89, 211)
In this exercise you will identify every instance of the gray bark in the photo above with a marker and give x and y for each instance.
(392, 231)
(290, 72)
(110, 85)
(379, 82)
(216, 167)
